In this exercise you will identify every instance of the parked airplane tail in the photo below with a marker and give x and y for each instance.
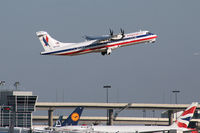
(184, 119)
(47, 41)
(73, 117)
(58, 123)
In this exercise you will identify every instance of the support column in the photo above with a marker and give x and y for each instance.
(170, 116)
(110, 120)
(50, 117)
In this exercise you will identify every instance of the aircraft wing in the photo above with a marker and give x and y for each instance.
(106, 37)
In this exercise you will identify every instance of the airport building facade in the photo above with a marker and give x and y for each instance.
(16, 108)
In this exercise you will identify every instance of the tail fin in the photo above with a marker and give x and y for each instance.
(184, 119)
(58, 123)
(73, 117)
(47, 41)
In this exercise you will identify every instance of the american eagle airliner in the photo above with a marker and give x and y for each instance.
(103, 44)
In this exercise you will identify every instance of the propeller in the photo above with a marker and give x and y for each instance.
(111, 32)
(122, 32)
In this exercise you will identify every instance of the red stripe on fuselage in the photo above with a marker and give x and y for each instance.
(107, 46)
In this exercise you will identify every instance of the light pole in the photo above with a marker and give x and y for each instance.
(107, 87)
(16, 84)
(176, 92)
(2, 83)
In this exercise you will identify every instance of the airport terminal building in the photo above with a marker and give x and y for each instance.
(16, 108)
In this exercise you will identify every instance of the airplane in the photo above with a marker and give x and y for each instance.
(72, 119)
(58, 123)
(103, 44)
(181, 124)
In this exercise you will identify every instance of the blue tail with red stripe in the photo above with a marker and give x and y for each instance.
(47, 41)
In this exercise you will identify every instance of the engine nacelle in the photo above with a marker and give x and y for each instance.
(117, 37)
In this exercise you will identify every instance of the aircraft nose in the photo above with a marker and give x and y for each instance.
(155, 35)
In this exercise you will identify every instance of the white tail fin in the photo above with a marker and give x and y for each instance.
(47, 41)
(184, 119)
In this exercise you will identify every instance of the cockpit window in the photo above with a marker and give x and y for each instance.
(149, 33)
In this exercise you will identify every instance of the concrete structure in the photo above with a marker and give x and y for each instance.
(170, 107)
(119, 120)
(142, 106)
(16, 108)
(50, 116)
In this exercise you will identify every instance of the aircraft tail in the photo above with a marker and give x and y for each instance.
(47, 41)
(184, 119)
(73, 117)
(58, 123)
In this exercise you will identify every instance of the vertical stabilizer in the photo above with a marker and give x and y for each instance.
(47, 41)
(58, 123)
(73, 117)
(184, 119)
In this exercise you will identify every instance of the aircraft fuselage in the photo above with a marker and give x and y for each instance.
(103, 46)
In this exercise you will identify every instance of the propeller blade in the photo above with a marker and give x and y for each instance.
(111, 32)
(122, 32)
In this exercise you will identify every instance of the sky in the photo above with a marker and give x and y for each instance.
(144, 73)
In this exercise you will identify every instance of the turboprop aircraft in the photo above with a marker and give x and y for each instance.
(181, 124)
(103, 44)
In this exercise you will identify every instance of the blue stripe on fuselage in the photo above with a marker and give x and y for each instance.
(96, 44)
